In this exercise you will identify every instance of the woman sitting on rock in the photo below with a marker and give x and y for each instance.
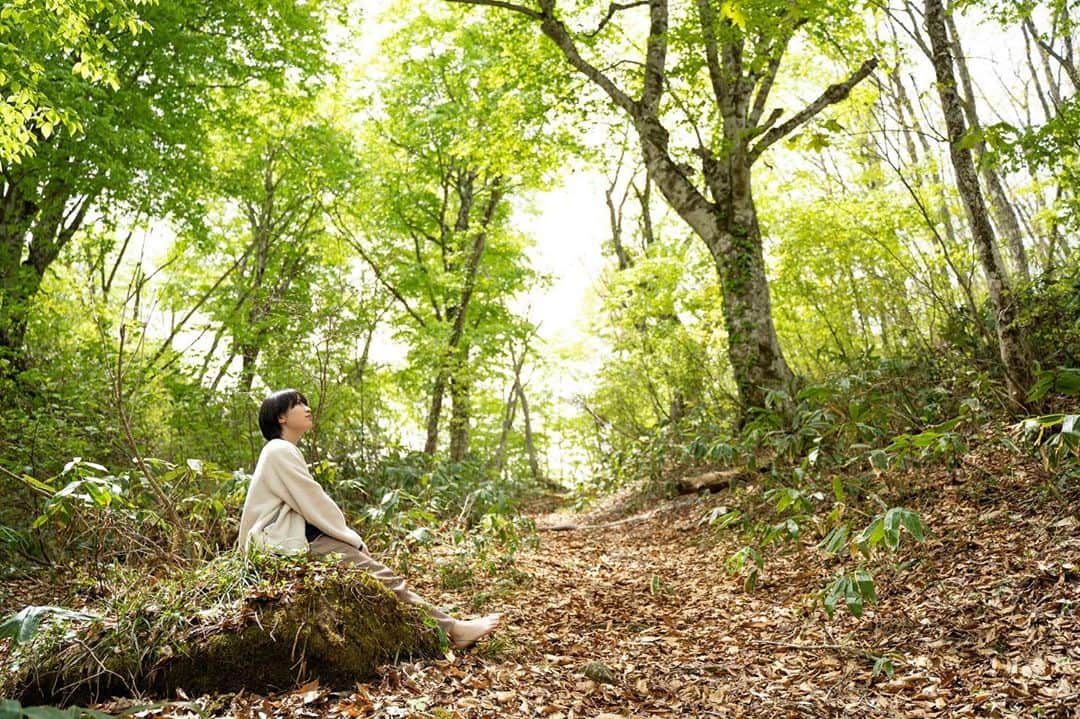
(286, 510)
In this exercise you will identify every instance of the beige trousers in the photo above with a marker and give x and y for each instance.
(327, 545)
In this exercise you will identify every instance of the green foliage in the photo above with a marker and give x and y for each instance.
(32, 34)
(22, 626)
(410, 501)
(941, 441)
(1056, 438)
(1064, 381)
(1050, 308)
(87, 512)
(884, 531)
(855, 588)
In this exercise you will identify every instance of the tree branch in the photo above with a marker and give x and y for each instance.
(655, 57)
(716, 75)
(832, 95)
(504, 5)
(612, 9)
(356, 245)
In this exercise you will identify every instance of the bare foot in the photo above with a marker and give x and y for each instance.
(467, 632)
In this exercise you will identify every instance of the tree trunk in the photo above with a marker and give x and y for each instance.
(944, 216)
(728, 222)
(509, 412)
(249, 356)
(730, 230)
(530, 445)
(431, 443)
(459, 419)
(753, 346)
(450, 364)
(1000, 206)
(1012, 343)
(49, 232)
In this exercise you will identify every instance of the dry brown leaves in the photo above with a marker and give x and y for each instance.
(983, 623)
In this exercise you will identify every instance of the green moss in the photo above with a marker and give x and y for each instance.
(260, 624)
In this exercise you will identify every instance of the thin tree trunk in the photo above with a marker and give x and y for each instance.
(459, 419)
(499, 460)
(1012, 343)
(438, 390)
(945, 218)
(458, 312)
(249, 356)
(1000, 206)
(530, 445)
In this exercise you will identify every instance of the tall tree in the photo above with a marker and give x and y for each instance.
(268, 199)
(1012, 343)
(459, 134)
(740, 48)
(143, 143)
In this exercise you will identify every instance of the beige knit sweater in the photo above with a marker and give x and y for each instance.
(281, 497)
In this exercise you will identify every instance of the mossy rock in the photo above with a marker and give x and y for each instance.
(287, 622)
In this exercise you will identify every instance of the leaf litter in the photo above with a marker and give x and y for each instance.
(639, 619)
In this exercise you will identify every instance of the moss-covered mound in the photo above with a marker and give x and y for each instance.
(257, 623)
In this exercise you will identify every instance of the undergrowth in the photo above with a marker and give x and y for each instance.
(822, 459)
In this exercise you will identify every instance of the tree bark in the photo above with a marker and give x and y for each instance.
(459, 419)
(530, 445)
(509, 412)
(57, 216)
(1012, 343)
(1001, 207)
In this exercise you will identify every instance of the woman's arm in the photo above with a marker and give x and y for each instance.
(306, 496)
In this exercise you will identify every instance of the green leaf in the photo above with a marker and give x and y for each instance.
(47, 712)
(884, 665)
(23, 625)
(971, 139)
(1065, 380)
(37, 484)
(731, 11)
(914, 525)
(864, 581)
(838, 489)
(879, 459)
(10, 709)
(832, 125)
(833, 592)
(835, 541)
(853, 599)
(872, 534)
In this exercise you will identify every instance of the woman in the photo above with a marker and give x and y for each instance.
(286, 510)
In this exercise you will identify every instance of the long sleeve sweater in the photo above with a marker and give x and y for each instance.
(283, 498)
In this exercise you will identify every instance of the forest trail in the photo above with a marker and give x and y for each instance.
(984, 624)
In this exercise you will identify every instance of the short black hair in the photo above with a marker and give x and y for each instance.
(273, 407)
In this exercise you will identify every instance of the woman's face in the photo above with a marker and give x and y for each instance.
(297, 420)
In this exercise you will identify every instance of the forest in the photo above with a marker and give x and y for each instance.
(730, 349)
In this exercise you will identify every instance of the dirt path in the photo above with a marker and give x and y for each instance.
(985, 624)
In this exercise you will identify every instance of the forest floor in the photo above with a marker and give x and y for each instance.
(981, 620)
